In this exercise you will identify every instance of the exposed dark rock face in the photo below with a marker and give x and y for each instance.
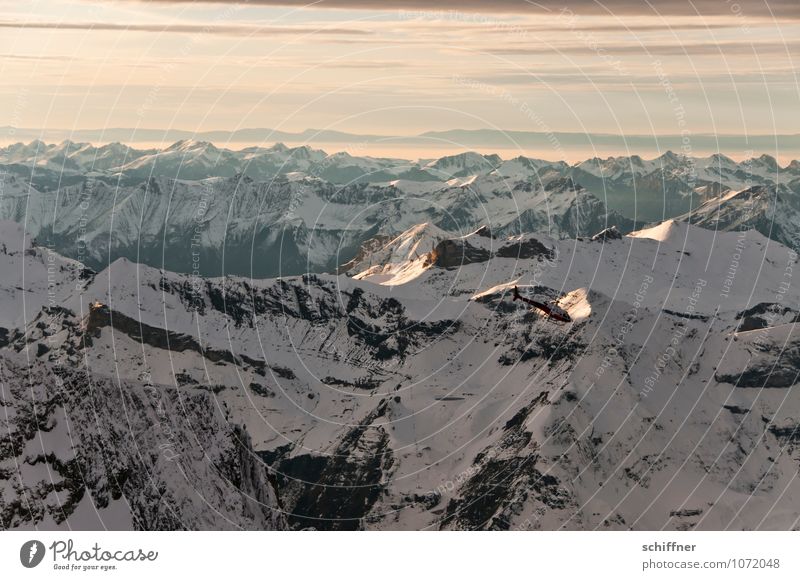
(778, 372)
(485, 232)
(364, 383)
(505, 477)
(685, 513)
(530, 345)
(766, 314)
(528, 249)
(368, 247)
(685, 315)
(786, 433)
(384, 328)
(563, 184)
(102, 317)
(456, 253)
(168, 462)
(607, 235)
(337, 491)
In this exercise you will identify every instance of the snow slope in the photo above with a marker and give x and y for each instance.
(417, 395)
(285, 226)
(279, 210)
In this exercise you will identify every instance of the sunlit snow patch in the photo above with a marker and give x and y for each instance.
(576, 303)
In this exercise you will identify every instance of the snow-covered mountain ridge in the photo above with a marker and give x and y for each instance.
(270, 211)
(191, 159)
(413, 393)
(286, 226)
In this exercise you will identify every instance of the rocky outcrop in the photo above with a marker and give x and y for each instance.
(124, 456)
(100, 316)
(503, 477)
(336, 491)
(456, 253)
(526, 250)
(607, 234)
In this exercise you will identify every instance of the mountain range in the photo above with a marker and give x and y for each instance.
(266, 212)
(409, 392)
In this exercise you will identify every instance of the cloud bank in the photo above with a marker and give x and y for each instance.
(760, 8)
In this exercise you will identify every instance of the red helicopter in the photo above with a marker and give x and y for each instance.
(551, 310)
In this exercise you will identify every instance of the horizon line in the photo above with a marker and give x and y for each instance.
(11, 130)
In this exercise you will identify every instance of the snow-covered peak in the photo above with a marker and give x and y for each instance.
(683, 236)
(397, 258)
(462, 164)
(305, 152)
(718, 159)
(527, 168)
(669, 158)
(618, 167)
(668, 230)
(762, 166)
(190, 145)
(279, 148)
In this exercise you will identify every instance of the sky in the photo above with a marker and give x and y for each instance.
(399, 68)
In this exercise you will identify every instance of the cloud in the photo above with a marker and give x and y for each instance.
(639, 81)
(220, 29)
(437, 26)
(675, 49)
(776, 8)
(36, 58)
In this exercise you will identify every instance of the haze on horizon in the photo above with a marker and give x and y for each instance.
(394, 68)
